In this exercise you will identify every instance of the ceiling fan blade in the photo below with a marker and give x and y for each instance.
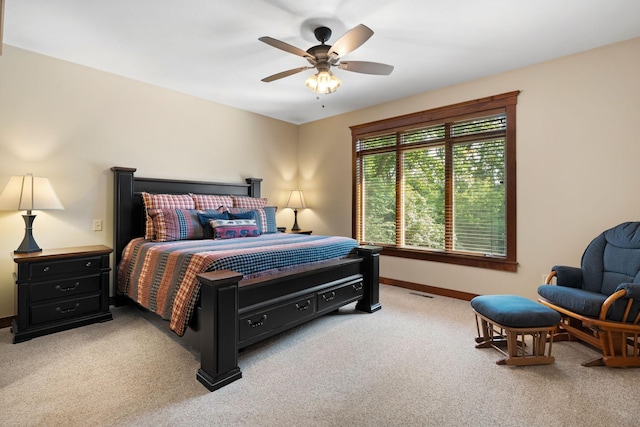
(350, 41)
(366, 67)
(284, 74)
(285, 46)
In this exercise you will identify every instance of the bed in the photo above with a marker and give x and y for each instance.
(232, 310)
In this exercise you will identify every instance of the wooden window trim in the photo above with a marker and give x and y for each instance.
(505, 102)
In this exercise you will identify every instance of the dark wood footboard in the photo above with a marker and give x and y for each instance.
(240, 313)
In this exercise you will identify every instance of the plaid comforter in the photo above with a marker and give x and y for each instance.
(162, 276)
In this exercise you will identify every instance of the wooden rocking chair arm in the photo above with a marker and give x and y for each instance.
(550, 277)
(622, 293)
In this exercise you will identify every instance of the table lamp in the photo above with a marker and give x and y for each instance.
(295, 202)
(28, 192)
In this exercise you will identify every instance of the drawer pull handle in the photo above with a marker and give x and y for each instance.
(357, 287)
(88, 264)
(258, 323)
(68, 310)
(303, 307)
(329, 296)
(68, 288)
(46, 269)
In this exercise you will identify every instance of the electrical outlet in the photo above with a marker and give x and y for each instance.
(97, 225)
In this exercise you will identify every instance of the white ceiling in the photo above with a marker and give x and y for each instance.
(210, 48)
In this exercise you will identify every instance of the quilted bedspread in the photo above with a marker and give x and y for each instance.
(162, 276)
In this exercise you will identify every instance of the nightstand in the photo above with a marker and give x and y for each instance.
(60, 289)
(300, 232)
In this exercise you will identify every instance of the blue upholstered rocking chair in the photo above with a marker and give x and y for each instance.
(600, 301)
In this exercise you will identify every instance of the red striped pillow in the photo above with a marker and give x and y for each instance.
(163, 201)
(176, 224)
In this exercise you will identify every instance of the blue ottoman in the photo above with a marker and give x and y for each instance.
(515, 321)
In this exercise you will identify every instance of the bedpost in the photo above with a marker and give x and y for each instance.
(218, 329)
(123, 202)
(255, 186)
(370, 301)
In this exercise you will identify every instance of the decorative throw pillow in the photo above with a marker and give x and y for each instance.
(163, 201)
(265, 217)
(231, 229)
(270, 219)
(207, 215)
(211, 201)
(175, 224)
(237, 213)
(246, 202)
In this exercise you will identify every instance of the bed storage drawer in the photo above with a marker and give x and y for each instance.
(253, 326)
(340, 295)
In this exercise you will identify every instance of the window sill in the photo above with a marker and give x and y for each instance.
(494, 263)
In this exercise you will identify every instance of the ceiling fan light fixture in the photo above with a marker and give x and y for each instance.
(323, 82)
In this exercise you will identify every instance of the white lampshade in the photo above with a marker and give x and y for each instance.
(27, 193)
(296, 200)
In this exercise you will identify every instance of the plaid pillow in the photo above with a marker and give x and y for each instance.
(270, 225)
(211, 201)
(175, 224)
(163, 201)
(265, 217)
(246, 202)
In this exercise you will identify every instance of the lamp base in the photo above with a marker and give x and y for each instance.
(295, 221)
(28, 244)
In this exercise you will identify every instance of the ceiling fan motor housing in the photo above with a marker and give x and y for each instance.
(322, 34)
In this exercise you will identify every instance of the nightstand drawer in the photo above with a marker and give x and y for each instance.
(64, 309)
(88, 265)
(64, 288)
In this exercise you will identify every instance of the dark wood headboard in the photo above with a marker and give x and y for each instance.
(129, 215)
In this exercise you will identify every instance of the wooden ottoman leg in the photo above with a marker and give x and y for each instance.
(537, 356)
(483, 339)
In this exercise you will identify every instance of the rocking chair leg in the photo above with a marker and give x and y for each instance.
(598, 361)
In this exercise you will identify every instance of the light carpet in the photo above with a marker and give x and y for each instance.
(412, 363)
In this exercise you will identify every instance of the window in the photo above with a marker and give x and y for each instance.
(439, 185)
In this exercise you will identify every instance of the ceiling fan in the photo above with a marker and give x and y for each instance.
(322, 57)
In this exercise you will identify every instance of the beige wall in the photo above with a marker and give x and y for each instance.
(577, 155)
(72, 124)
(578, 147)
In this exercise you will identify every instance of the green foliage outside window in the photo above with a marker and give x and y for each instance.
(406, 179)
